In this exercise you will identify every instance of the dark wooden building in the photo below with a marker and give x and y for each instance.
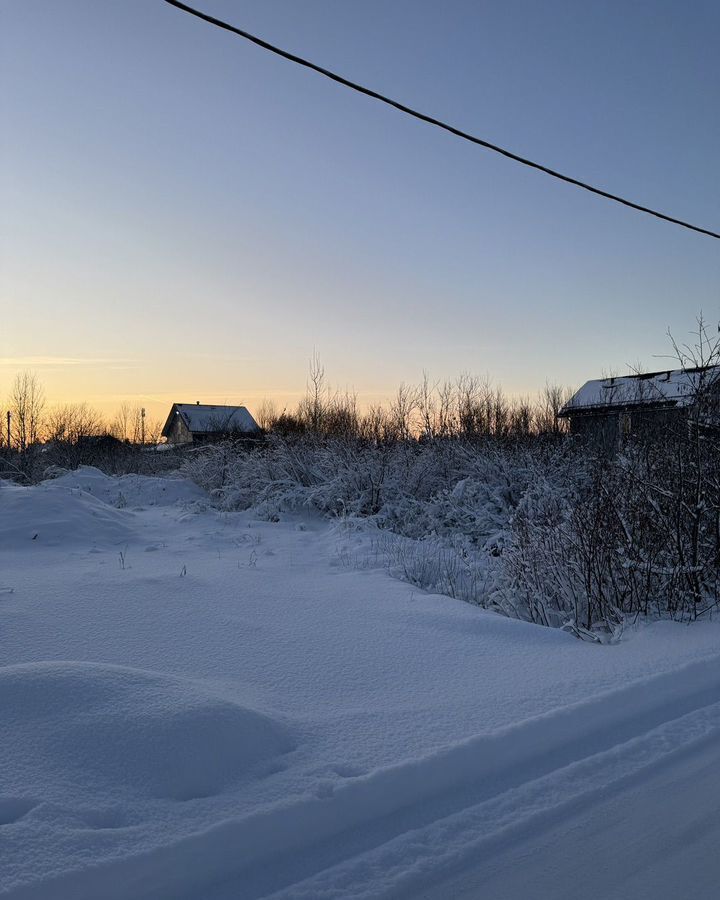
(607, 409)
(192, 423)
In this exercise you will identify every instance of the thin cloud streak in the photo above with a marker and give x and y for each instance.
(59, 362)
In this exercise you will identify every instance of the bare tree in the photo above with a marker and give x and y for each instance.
(128, 425)
(267, 414)
(341, 416)
(551, 400)
(373, 426)
(120, 426)
(521, 417)
(402, 411)
(316, 401)
(27, 402)
(445, 419)
(500, 413)
(153, 430)
(72, 422)
(470, 411)
(137, 426)
(428, 408)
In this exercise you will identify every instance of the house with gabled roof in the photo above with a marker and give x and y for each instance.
(607, 409)
(192, 423)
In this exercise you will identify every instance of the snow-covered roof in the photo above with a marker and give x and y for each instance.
(205, 418)
(678, 387)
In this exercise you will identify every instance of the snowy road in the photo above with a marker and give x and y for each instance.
(654, 837)
(612, 787)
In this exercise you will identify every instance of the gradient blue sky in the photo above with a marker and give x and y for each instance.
(185, 216)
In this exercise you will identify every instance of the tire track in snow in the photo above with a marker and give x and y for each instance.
(275, 849)
(409, 865)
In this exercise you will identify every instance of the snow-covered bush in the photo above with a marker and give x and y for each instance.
(415, 488)
(611, 537)
(443, 505)
(544, 529)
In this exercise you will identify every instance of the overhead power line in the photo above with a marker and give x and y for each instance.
(432, 121)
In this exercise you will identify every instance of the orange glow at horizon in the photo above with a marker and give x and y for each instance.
(107, 384)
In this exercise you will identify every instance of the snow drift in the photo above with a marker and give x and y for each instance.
(131, 490)
(50, 515)
(118, 730)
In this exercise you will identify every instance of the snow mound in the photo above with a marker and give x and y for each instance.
(51, 516)
(123, 731)
(131, 490)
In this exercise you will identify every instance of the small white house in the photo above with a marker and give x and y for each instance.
(190, 423)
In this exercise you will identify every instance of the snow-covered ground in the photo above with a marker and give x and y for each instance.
(202, 705)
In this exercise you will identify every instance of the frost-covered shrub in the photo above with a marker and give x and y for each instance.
(289, 473)
(415, 488)
(543, 530)
(611, 537)
(444, 506)
(535, 574)
(457, 569)
(473, 493)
